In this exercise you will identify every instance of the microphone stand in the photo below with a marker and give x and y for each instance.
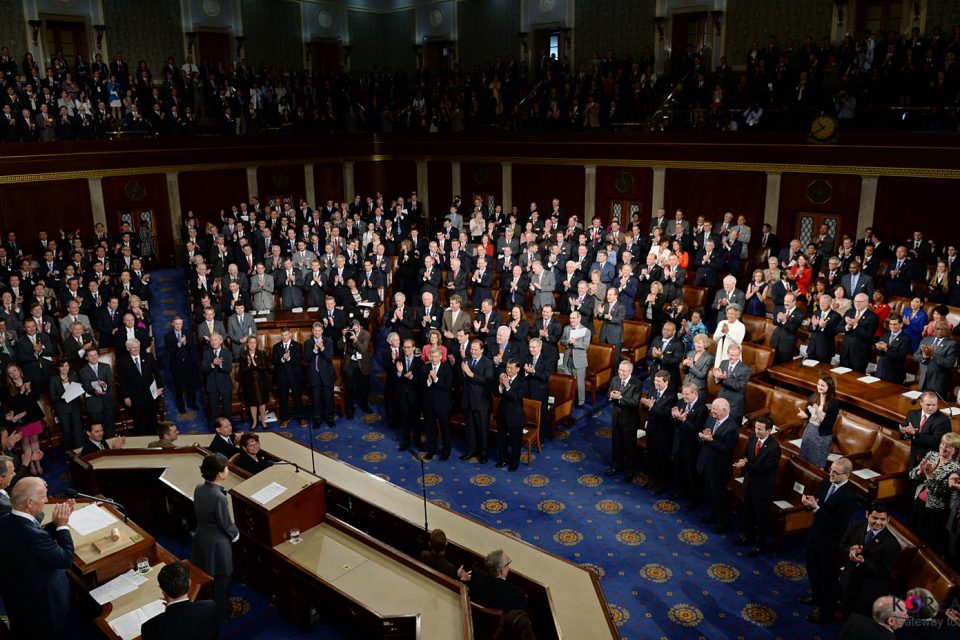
(301, 417)
(423, 486)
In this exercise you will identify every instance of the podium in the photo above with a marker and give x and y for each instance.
(268, 505)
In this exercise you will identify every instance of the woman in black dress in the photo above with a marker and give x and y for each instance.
(68, 413)
(255, 381)
(250, 458)
(407, 270)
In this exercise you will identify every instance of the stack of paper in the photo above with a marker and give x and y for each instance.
(841, 370)
(119, 586)
(868, 379)
(128, 625)
(89, 519)
(866, 474)
(269, 492)
(913, 395)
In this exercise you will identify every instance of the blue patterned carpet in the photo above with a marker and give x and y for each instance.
(664, 574)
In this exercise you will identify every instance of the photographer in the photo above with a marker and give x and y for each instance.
(355, 341)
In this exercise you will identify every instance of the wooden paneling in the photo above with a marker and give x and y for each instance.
(440, 187)
(905, 205)
(206, 192)
(28, 208)
(712, 193)
(795, 190)
(328, 183)
(542, 183)
(281, 181)
(393, 178)
(623, 183)
(481, 177)
(124, 193)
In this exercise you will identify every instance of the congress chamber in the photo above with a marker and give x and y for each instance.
(482, 319)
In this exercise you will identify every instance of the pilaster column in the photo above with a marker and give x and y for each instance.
(310, 189)
(506, 170)
(771, 201)
(455, 180)
(252, 188)
(589, 194)
(423, 187)
(97, 205)
(868, 203)
(348, 189)
(659, 180)
(176, 213)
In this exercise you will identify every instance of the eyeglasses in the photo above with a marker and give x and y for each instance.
(837, 473)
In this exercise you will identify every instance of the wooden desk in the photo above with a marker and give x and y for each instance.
(301, 506)
(279, 318)
(882, 399)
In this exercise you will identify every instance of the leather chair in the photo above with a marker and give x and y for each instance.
(756, 397)
(601, 360)
(796, 518)
(531, 432)
(782, 407)
(694, 297)
(889, 459)
(563, 389)
(853, 435)
(756, 327)
(636, 338)
(759, 358)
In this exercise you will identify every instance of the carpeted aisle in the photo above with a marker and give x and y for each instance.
(664, 574)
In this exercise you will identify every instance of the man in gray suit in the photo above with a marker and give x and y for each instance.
(97, 380)
(612, 313)
(215, 367)
(937, 356)
(732, 375)
(73, 315)
(290, 282)
(856, 282)
(239, 327)
(208, 327)
(261, 289)
(542, 284)
(727, 296)
(576, 339)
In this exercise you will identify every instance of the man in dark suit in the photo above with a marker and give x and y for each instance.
(821, 344)
(138, 372)
(666, 354)
(937, 356)
(888, 615)
(924, 427)
(549, 330)
(707, 263)
(478, 377)
(611, 314)
(714, 464)
(97, 380)
(406, 376)
(225, 441)
(856, 282)
(215, 366)
(892, 350)
(182, 619)
(512, 389)
(788, 321)
(34, 562)
(489, 586)
(759, 469)
(181, 355)
(34, 351)
(624, 395)
(869, 554)
(287, 356)
(318, 358)
(437, 380)
(400, 318)
(659, 408)
(107, 322)
(689, 417)
(732, 375)
(355, 346)
(860, 325)
(832, 504)
(899, 274)
(537, 369)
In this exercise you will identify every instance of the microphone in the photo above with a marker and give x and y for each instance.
(73, 493)
(295, 466)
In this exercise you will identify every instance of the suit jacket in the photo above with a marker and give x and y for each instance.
(476, 390)
(760, 472)
(715, 461)
(97, 403)
(290, 372)
(105, 326)
(203, 332)
(831, 519)
(136, 384)
(860, 627)
(578, 350)
(936, 372)
(734, 297)
(238, 332)
(686, 436)
(35, 365)
(539, 381)
(821, 345)
(670, 359)
(864, 285)
(436, 395)
(659, 418)
(785, 335)
(623, 413)
(928, 439)
(891, 363)
(262, 293)
(734, 386)
(544, 295)
(33, 578)
(182, 358)
(403, 325)
(212, 549)
(358, 351)
(185, 621)
(319, 370)
(219, 445)
(611, 329)
(463, 321)
(217, 377)
(510, 411)
(869, 579)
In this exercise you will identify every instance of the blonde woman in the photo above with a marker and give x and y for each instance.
(931, 506)
(698, 363)
(596, 288)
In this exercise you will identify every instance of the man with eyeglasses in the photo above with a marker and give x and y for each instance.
(889, 613)
(832, 504)
(870, 553)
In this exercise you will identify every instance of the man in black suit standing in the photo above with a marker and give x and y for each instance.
(182, 619)
(869, 553)
(689, 417)
(287, 356)
(832, 504)
(659, 408)
(318, 358)
(34, 562)
(478, 376)
(511, 418)
(892, 350)
(788, 321)
(759, 469)
(824, 325)
(406, 376)
(216, 365)
(182, 357)
(860, 325)
(625, 395)
(537, 370)
(714, 464)
(666, 354)
(137, 373)
(924, 428)
(437, 382)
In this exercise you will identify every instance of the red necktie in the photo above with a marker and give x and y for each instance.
(923, 421)
(756, 451)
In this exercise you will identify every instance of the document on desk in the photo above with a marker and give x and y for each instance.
(841, 370)
(119, 586)
(72, 391)
(783, 504)
(913, 395)
(868, 379)
(89, 519)
(128, 625)
(866, 474)
(811, 363)
(269, 492)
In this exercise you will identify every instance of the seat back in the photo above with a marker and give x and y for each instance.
(757, 357)
(531, 412)
(853, 434)
(890, 454)
(797, 470)
(756, 327)
(756, 396)
(636, 337)
(563, 389)
(694, 297)
(901, 578)
(600, 357)
(930, 571)
(785, 405)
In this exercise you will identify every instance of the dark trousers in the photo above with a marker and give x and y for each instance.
(407, 413)
(756, 515)
(220, 403)
(284, 391)
(221, 595)
(185, 389)
(478, 423)
(509, 440)
(823, 570)
(321, 396)
(659, 441)
(717, 496)
(144, 415)
(358, 388)
(72, 427)
(625, 447)
(434, 421)
(685, 474)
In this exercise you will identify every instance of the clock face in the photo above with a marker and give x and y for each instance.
(211, 8)
(325, 19)
(823, 128)
(436, 18)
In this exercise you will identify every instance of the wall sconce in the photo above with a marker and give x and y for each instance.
(240, 40)
(717, 19)
(660, 21)
(523, 41)
(100, 29)
(841, 6)
(35, 26)
(191, 40)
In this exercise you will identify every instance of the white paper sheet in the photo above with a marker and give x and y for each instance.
(811, 363)
(260, 319)
(833, 457)
(841, 370)
(783, 504)
(128, 625)
(269, 492)
(799, 488)
(296, 310)
(740, 479)
(154, 390)
(72, 391)
(913, 395)
(578, 333)
(796, 442)
(89, 519)
(866, 474)
(868, 379)
(313, 309)
(121, 585)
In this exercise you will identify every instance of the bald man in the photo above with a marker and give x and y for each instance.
(860, 326)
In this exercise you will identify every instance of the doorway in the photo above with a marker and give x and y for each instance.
(885, 15)
(325, 56)
(68, 37)
(214, 49)
(690, 35)
(808, 226)
(621, 211)
(437, 54)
